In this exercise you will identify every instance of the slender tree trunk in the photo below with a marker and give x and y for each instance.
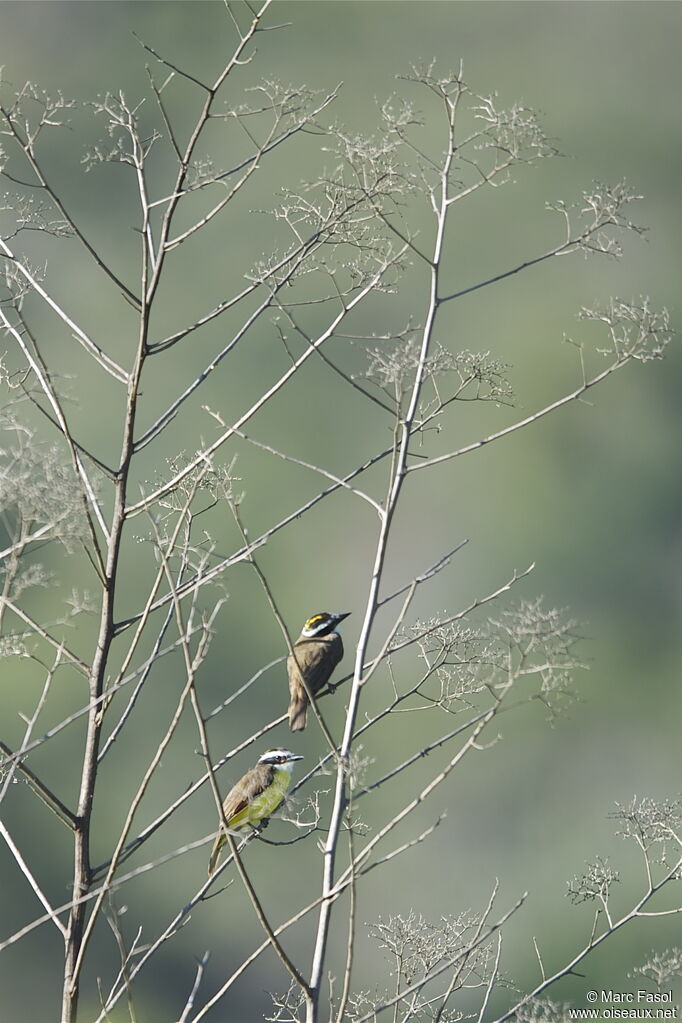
(82, 874)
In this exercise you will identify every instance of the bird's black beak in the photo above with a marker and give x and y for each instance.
(296, 756)
(340, 617)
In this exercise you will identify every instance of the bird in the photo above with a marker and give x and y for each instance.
(315, 654)
(255, 796)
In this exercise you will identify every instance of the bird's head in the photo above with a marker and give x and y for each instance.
(279, 757)
(322, 623)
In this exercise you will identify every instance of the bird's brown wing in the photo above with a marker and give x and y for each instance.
(316, 659)
(236, 800)
(312, 660)
(246, 789)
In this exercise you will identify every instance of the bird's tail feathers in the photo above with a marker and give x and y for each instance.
(215, 852)
(298, 714)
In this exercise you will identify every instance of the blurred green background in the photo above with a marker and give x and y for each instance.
(593, 495)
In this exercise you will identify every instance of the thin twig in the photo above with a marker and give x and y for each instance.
(48, 797)
(100, 357)
(23, 866)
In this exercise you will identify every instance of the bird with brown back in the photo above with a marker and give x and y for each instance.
(315, 654)
(255, 796)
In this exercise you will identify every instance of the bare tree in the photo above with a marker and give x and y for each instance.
(88, 484)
